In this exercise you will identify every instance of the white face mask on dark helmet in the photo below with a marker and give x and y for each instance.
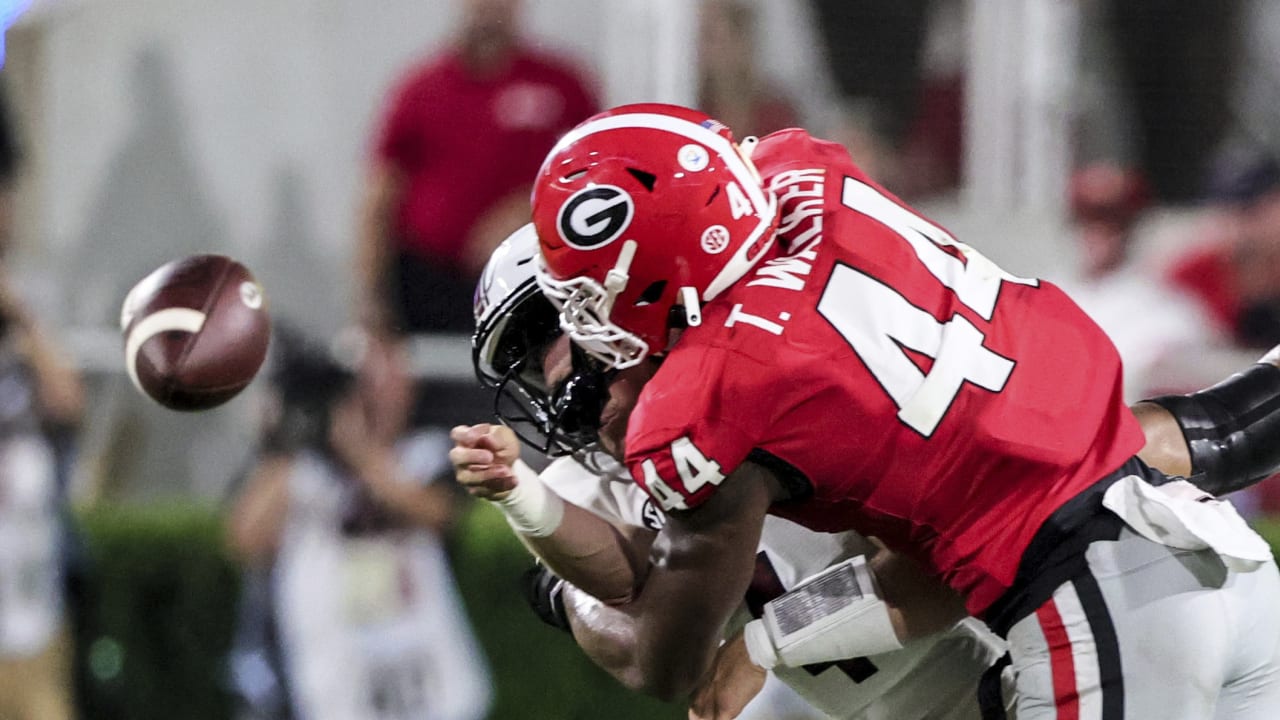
(515, 325)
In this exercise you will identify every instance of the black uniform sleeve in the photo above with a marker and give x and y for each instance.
(1232, 429)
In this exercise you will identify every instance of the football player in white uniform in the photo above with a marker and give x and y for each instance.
(516, 348)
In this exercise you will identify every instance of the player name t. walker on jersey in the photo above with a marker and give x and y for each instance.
(846, 364)
(888, 366)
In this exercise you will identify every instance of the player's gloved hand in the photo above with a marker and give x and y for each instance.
(544, 591)
(483, 458)
(730, 684)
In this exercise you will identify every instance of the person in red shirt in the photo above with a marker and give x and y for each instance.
(448, 176)
(845, 363)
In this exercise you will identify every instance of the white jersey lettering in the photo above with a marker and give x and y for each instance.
(736, 316)
(975, 280)
(785, 272)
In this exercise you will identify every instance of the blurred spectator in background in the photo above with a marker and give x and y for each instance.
(1234, 268)
(851, 125)
(731, 87)
(344, 509)
(933, 145)
(1174, 61)
(460, 141)
(899, 69)
(1147, 320)
(41, 402)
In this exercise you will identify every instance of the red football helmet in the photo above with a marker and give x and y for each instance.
(639, 209)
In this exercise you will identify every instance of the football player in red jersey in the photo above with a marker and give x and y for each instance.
(517, 346)
(845, 363)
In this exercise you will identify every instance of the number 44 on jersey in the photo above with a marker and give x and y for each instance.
(878, 336)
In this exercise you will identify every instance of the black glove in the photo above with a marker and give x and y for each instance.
(544, 591)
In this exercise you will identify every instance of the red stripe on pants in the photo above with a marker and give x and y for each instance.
(1063, 665)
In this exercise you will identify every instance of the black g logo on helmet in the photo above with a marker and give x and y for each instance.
(595, 216)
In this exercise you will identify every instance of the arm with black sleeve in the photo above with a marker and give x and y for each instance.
(1229, 430)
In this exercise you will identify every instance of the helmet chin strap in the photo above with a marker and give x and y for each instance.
(615, 281)
(692, 308)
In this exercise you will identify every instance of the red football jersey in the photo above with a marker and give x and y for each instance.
(931, 399)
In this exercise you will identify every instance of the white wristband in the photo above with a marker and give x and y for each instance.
(531, 507)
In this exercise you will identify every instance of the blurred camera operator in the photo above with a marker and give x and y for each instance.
(342, 507)
(41, 401)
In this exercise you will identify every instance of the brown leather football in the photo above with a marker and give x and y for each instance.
(195, 332)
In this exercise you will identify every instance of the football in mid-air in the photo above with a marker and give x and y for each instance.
(195, 332)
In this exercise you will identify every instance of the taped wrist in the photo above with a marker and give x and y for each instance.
(544, 591)
(1231, 428)
(531, 507)
(834, 615)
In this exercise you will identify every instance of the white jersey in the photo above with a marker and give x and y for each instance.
(935, 677)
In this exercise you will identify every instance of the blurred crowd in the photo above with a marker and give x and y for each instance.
(342, 519)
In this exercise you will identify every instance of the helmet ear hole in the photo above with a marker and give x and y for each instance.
(648, 180)
(652, 294)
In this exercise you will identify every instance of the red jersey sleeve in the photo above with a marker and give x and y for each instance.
(683, 438)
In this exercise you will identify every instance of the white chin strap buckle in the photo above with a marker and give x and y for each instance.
(692, 308)
(615, 281)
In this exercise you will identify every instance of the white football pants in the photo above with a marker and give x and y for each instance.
(1152, 633)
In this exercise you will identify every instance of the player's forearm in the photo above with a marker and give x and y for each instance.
(682, 609)
(591, 554)
(919, 604)
(614, 636)
(579, 546)
(606, 633)
(700, 566)
(1166, 448)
